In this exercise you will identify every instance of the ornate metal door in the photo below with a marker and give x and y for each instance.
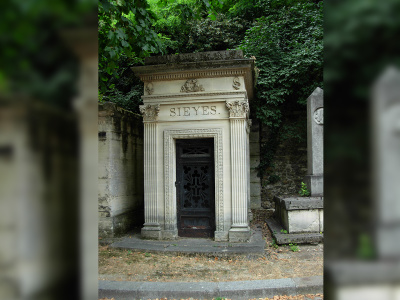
(195, 187)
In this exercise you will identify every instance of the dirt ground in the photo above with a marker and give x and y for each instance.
(278, 262)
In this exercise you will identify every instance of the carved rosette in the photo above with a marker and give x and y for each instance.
(191, 86)
(149, 112)
(238, 109)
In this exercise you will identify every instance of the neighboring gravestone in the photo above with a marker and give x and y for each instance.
(302, 217)
(315, 143)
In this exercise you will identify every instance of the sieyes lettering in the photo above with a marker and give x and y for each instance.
(187, 111)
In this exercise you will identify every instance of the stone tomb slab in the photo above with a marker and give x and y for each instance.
(300, 214)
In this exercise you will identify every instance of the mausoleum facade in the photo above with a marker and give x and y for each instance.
(196, 145)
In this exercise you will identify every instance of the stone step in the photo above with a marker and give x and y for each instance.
(292, 238)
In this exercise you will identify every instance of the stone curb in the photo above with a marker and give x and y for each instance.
(238, 290)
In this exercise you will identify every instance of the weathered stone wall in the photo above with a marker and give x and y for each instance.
(255, 182)
(120, 170)
(289, 165)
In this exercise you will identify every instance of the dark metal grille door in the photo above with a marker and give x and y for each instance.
(195, 187)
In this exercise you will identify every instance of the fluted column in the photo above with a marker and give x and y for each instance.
(151, 228)
(238, 111)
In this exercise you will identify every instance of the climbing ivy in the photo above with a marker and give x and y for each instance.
(288, 47)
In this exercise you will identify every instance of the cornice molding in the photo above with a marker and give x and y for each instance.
(198, 94)
(184, 70)
(185, 75)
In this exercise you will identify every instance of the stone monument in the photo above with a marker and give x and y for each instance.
(196, 145)
(302, 217)
(315, 143)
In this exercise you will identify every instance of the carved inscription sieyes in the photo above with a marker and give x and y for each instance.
(193, 111)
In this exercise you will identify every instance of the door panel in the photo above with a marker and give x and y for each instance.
(195, 188)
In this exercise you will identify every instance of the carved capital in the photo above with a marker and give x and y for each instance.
(191, 86)
(237, 109)
(149, 112)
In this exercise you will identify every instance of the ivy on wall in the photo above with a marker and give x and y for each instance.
(288, 47)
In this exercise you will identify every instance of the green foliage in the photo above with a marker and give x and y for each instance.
(125, 28)
(125, 89)
(304, 192)
(287, 45)
(286, 40)
(295, 132)
(35, 59)
(129, 31)
(365, 249)
(199, 35)
(284, 231)
(274, 244)
(294, 247)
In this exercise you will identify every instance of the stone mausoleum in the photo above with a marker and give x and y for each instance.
(196, 145)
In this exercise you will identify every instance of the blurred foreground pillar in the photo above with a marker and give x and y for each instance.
(386, 162)
(84, 43)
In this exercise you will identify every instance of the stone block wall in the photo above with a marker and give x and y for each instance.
(289, 165)
(255, 182)
(120, 170)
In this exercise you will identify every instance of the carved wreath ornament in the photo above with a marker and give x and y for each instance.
(319, 116)
(149, 88)
(191, 85)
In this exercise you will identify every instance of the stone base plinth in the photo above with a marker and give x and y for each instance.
(239, 234)
(315, 184)
(170, 234)
(300, 214)
(221, 236)
(151, 232)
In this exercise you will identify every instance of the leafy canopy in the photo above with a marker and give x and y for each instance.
(125, 28)
(287, 45)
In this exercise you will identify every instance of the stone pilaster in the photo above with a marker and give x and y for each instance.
(151, 228)
(238, 111)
